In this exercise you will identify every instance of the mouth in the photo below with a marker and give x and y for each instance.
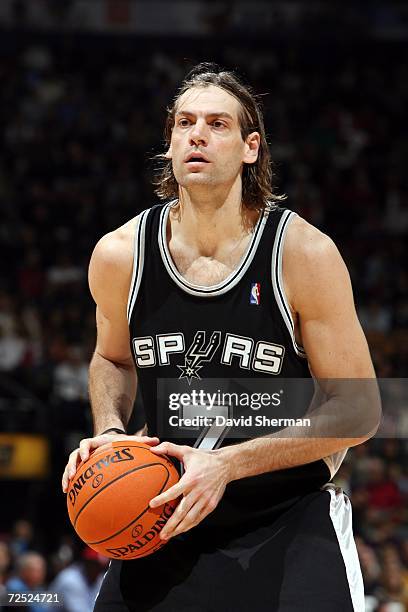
(196, 158)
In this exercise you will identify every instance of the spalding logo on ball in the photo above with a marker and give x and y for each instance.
(108, 500)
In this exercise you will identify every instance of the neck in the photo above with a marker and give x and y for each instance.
(208, 224)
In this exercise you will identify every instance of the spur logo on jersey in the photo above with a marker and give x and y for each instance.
(226, 349)
(255, 295)
(198, 353)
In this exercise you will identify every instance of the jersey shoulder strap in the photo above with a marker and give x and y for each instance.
(138, 260)
(281, 222)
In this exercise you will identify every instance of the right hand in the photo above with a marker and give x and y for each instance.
(89, 444)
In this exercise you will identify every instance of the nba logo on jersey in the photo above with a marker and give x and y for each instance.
(255, 297)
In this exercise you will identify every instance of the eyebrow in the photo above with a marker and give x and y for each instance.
(212, 114)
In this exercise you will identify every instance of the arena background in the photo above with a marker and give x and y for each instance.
(84, 86)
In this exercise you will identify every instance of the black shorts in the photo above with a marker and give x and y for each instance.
(304, 561)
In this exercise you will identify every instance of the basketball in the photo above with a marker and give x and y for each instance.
(108, 500)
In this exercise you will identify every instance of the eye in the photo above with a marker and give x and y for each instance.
(183, 122)
(218, 124)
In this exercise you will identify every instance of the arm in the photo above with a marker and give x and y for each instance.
(319, 292)
(112, 375)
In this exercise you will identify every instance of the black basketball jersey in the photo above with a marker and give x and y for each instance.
(241, 328)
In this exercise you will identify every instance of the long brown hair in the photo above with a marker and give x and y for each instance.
(257, 191)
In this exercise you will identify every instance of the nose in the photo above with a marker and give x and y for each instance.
(198, 135)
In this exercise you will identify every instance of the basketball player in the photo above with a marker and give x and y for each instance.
(221, 282)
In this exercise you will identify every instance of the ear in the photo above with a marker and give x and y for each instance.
(252, 144)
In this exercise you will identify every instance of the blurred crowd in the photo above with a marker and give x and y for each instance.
(82, 119)
(70, 577)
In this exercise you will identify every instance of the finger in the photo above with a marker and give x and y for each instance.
(73, 462)
(179, 514)
(84, 448)
(70, 469)
(173, 493)
(192, 518)
(174, 450)
(87, 445)
(202, 508)
(64, 481)
(148, 440)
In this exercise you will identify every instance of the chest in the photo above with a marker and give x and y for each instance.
(207, 271)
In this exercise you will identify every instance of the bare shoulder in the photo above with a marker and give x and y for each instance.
(111, 262)
(116, 247)
(304, 240)
(312, 263)
(308, 249)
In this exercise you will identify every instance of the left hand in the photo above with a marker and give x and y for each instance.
(202, 486)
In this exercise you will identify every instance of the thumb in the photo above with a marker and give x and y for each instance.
(168, 448)
(148, 440)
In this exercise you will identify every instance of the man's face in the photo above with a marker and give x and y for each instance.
(34, 572)
(206, 146)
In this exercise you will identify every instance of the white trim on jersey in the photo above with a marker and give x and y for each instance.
(226, 284)
(341, 517)
(102, 581)
(277, 281)
(334, 461)
(138, 262)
